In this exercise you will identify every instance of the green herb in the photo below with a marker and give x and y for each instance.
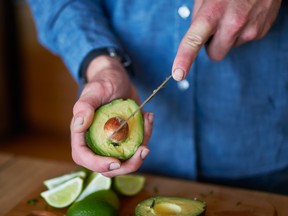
(33, 201)
(152, 204)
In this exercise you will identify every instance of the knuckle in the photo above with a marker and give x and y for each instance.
(215, 56)
(193, 40)
(108, 174)
(133, 167)
(76, 159)
(101, 168)
(236, 23)
(91, 92)
(214, 53)
(250, 35)
(81, 105)
(108, 88)
(100, 86)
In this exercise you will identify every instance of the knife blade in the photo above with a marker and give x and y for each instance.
(141, 106)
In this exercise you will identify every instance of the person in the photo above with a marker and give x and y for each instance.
(224, 117)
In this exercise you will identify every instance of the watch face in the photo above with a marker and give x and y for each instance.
(124, 58)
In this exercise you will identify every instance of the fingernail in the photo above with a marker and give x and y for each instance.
(144, 153)
(78, 122)
(151, 117)
(178, 74)
(114, 166)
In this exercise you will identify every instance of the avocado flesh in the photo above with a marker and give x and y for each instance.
(97, 139)
(164, 205)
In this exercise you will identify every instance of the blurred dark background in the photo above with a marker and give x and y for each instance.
(37, 92)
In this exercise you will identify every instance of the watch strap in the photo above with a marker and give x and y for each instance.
(112, 52)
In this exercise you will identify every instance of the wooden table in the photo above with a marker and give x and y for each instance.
(19, 176)
(21, 179)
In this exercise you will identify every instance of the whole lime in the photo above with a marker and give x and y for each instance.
(91, 208)
(108, 196)
(103, 202)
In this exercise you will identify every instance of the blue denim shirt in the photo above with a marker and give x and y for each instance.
(227, 119)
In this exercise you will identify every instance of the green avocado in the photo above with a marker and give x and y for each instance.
(107, 119)
(170, 205)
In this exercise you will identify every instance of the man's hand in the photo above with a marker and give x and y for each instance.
(226, 24)
(107, 80)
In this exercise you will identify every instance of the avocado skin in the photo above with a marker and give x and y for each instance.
(90, 143)
(144, 208)
(126, 149)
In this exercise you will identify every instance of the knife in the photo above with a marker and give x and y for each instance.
(141, 106)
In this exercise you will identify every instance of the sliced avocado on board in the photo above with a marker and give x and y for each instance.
(107, 119)
(170, 205)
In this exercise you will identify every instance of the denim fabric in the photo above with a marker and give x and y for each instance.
(232, 121)
(273, 182)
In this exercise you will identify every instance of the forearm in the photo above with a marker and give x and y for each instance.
(72, 29)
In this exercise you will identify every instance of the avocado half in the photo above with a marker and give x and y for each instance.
(107, 119)
(170, 205)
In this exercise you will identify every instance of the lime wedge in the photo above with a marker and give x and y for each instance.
(128, 185)
(95, 182)
(53, 182)
(65, 194)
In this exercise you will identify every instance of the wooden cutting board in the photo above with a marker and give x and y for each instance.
(221, 201)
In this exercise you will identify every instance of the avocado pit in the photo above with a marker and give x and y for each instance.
(113, 124)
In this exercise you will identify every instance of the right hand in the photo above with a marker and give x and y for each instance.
(107, 80)
(226, 24)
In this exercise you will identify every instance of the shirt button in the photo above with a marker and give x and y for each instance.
(183, 85)
(184, 11)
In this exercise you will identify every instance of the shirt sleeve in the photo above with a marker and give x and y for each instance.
(72, 29)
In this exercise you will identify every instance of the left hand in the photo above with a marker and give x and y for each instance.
(107, 80)
(228, 23)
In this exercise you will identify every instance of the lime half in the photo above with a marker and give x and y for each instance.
(65, 194)
(95, 182)
(129, 185)
(53, 182)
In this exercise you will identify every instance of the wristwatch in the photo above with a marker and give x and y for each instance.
(108, 51)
